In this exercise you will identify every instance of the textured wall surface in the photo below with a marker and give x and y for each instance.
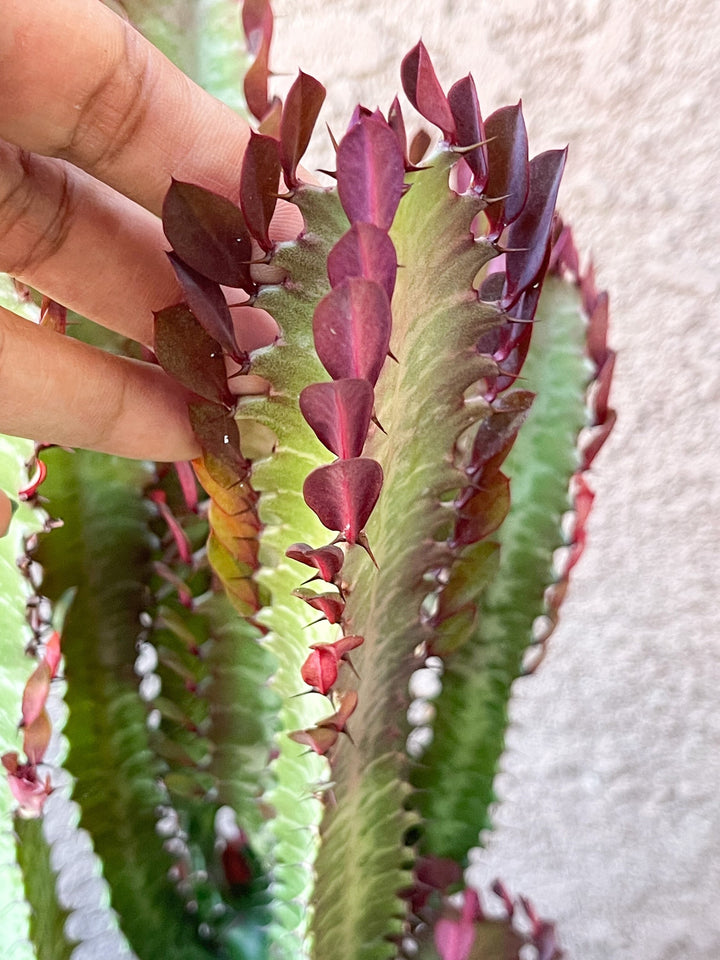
(611, 818)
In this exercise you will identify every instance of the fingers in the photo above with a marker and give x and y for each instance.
(57, 390)
(78, 82)
(82, 244)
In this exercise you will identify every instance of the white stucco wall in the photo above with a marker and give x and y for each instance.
(610, 820)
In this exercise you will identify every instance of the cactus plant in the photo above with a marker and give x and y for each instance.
(400, 487)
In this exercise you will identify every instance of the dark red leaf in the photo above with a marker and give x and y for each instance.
(598, 329)
(596, 438)
(208, 232)
(339, 412)
(343, 494)
(302, 106)
(601, 389)
(259, 184)
(496, 434)
(424, 92)
(207, 302)
(217, 431)
(320, 670)
(331, 605)
(370, 172)
(364, 251)
(529, 236)
(257, 23)
(351, 329)
(463, 100)
(327, 561)
(189, 354)
(482, 511)
(507, 152)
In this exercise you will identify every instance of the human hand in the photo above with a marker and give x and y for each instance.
(94, 122)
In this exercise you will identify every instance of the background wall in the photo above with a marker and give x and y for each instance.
(610, 820)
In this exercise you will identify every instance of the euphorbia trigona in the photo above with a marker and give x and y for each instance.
(412, 441)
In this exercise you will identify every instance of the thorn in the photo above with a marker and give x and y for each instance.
(332, 137)
(392, 356)
(378, 424)
(362, 541)
(349, 662)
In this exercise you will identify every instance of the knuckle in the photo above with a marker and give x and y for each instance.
(36, 210)
(115, 108)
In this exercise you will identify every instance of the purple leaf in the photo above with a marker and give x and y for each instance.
(259, 183)
(188, 353)
(424, 92)
(370, 172)
(507, 152)
(529, 236)
(339, 412)
(327, 561)
(364, 251)
(207, 302)
(209, 233)
(302, 106)
(351, 328)
(463, 100)
(343, 494)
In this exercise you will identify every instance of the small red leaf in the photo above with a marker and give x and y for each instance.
(344, 493)
(351, 328)
(496, 434)
(529, 236)
(53, 653)
(208, 232)
(255, 84)
(302, 106)
(326, 560)
(424, 92)
(339, 412)
(319, 739)
(178, 534)
(482, 511)
(320, 670)
(257, 23)
(397, 124)
(507, 152)
(598, 330)
(370, 172)
(463, 100)
(344, 645)
(36, 693)
(36, 737)
(331, 605)
(348, 703)
(364, 251)
(259, 183)
(191, 355)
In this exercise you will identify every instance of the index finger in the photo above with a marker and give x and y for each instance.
(79, 83)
